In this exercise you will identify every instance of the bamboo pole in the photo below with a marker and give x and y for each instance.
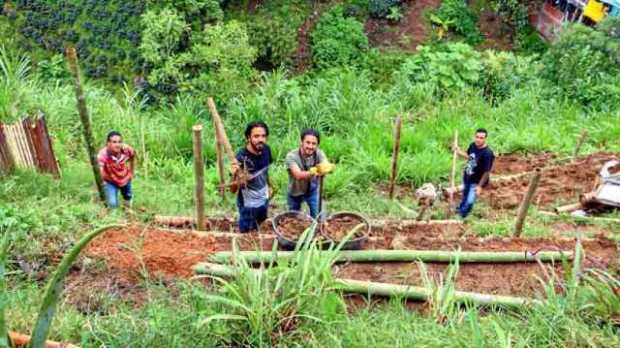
(568, 208)
(86, 127)
(220, 168)
(423, 294)
(395, 152)
(404, 256)
(199, 175)
(455, 143)
(580, 141)
(220, 132)
(525, 203)
(380, 289)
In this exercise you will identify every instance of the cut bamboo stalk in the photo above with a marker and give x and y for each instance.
(395, 152)
(580, 141)
(381, 289)
(410, 222)
(404, 256)
(220, 131)
(199, 175)
(568, 208)
(21, 340)
(220, 168)
(85, 118)
(525, 203)
(455, 144)
(423, 294)
(586, 218)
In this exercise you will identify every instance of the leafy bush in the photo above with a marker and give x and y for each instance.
(338, 40)
(452, 66)
(514, 13)
(381, 8)
(461, 19)
(504, 72)
(584, 64)
(219, 56)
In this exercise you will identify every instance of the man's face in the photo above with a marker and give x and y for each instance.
(309, 145)
(480, 139)
(115, 144)
(258, 138)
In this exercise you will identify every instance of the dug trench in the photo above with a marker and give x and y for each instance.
(119, 261)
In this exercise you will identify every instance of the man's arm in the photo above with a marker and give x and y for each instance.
(460, 152)
(299, 174)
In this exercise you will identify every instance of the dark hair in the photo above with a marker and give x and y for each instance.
(482, 130)
(311, 131)
(255, 124)
(112, 134)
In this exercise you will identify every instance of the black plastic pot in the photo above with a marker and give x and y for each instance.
(353, 244)
(284, 242)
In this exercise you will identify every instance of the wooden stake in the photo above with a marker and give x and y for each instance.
(83, 111)
(582, 139)
(199, 175)
(395, 152)
(525, 203)
(321, 179)
(220, 132)
(455, 143)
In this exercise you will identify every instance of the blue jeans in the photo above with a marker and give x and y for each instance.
(311, 198)
(469, 198)
(250, 218)
(111, 193)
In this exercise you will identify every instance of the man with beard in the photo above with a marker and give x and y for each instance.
(303, 172)
(252, 177)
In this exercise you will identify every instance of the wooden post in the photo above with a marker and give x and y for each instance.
(219, 148)
(199, 175)
(320, 215)
(395, 152)
(525, 203)
(455, 143)
(220, 132)
(580, 141)
(83, 111)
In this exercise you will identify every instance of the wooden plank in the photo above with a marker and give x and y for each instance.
(46, 142)
(31, 141)
(6, 159)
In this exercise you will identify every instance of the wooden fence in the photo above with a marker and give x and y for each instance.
(26, 144)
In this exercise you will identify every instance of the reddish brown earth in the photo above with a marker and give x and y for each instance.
(507, 164)
(292, 228)
(496, 34)
(126, 257)
(412, 30)
(559, 184)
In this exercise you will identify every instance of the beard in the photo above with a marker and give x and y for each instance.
(258, 147)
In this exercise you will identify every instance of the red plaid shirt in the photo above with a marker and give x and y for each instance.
(115, 168)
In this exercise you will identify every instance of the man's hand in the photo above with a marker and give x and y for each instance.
(314, 171)
(234, 167)
(478, 190)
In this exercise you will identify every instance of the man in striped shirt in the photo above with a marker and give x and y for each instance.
(116, 165)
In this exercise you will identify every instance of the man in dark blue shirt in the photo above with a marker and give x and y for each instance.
(253, 162)
(477, 170)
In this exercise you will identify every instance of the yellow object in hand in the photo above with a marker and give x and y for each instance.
(325, 168)
(314, 171)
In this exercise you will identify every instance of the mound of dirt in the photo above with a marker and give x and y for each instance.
(559, 184)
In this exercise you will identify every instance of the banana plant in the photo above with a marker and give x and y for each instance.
(443, 24)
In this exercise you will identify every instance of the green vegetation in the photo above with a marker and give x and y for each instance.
(338, 40)
(457, 16)
(177, 53)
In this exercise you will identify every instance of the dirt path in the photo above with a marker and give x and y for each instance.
(412, 30)
(303, 54)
